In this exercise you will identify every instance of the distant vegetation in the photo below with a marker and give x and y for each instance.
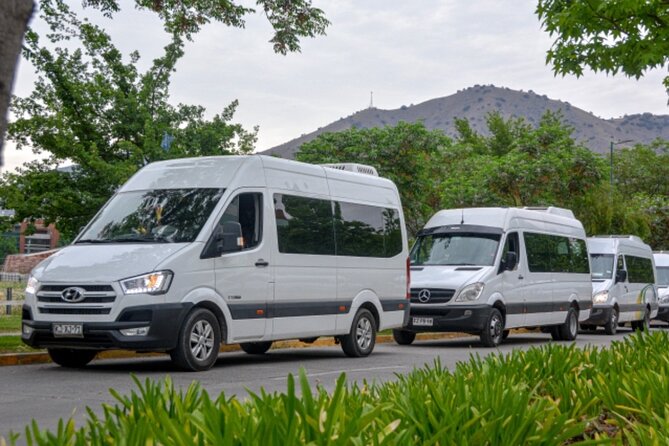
(514, 164)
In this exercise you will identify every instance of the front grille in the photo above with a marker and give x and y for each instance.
(92, 294)
(74, 310)
(88, 288)
(87, 299)
(436, 295)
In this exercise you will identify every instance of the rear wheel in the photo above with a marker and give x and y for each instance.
(569, 330)
(643, 324)
(493, 332)
(404, 337)
(611, 326)
(256, 348)
(199, 341)
(505, 334)
(70, 357)
(362, 337)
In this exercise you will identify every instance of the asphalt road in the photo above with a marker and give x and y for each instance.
(47, 392)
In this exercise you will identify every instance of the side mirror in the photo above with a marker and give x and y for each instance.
(621, 275)
(510, 261)
(229, 237)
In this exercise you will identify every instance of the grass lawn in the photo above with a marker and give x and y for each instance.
(18, 293)
(10, 324)
(13, 344)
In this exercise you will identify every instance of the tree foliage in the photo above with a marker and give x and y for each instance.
(612, 36)
(92, 107)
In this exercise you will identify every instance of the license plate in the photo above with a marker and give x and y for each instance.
(422, 321)
(68, 330)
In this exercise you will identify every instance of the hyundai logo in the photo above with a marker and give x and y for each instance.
(73, 294)
(424, 295)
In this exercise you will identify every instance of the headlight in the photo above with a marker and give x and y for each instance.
(32, 286)
(152, 283)
(600, 297)
(470, 292)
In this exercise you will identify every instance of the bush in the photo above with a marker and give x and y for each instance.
(555, 394)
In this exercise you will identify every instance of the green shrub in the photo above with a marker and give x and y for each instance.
(554, 394)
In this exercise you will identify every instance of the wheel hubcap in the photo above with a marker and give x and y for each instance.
(573, 324)
(496, 328)
(614, 320)
(363, 333)
(202, 340)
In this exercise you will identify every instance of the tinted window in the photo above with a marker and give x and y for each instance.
(639, 270)
(304, 225)
(556, 254)
(455, 249)
(367, 231)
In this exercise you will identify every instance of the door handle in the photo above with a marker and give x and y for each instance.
(262, 263)
(520, 277)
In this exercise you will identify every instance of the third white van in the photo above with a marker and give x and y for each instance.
(662, 281)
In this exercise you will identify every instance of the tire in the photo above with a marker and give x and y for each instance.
(555, 332)
(644, 324)
(611, 326)
(569, 330)
(362, 337)
(71, 358)
(199, 341)
(404, 337)
(256, 348)
(505, 334)
(493, 332)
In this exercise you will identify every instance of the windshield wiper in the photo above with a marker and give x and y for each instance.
(91, 240)
(127, 240)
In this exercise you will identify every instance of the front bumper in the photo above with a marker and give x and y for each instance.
(599, 315)
(164, 321)
(663, 313)
(465, 318)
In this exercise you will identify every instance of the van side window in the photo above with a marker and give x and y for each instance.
(242, 217)
(639, 270)
(555, 254)
(304, 225)
(511, 245)
(367, 231)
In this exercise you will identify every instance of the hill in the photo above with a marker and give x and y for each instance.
(475, 102)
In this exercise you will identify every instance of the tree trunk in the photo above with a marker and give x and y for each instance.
(14, 16)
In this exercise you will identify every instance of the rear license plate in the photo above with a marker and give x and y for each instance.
(68, 330)
(422, 321)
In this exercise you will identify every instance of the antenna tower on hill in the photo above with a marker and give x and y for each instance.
(371, 99)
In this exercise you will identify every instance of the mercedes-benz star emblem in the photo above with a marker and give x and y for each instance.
(424, 295)
(73, 294)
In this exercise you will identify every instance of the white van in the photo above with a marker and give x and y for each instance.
(192, 253)
(487, 270)
(623, 283)
(662, 281)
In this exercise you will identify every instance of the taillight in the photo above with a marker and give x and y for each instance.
(408, 278)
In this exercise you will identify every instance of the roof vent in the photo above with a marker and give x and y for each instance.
(353, 167)
(552, 210)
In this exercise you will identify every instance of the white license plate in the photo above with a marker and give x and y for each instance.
(68, 330)
(422, 321)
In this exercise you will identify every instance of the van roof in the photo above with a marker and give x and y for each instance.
(612, 244)
(550, 219)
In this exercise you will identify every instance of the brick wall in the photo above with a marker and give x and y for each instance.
(24, 263)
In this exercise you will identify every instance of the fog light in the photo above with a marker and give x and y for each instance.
(27, 330)
(139, 331)
(468, 312)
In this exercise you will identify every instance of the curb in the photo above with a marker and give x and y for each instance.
(42, 357)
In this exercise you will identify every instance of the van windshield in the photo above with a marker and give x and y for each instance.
(663, 276)
(455, 249)
(153, 216)
(601, 266)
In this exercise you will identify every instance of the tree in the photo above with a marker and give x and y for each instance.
(612, 36)
(91, 107)
(290, 20)
(408, 154)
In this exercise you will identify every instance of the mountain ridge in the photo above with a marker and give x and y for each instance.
(474, 103)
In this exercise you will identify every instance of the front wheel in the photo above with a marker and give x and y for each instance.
(493, 332)
(569, 330)
(70, 357)
(199, 341)
(611, 326)
(362, 337)
(404, 337)
(256, 348)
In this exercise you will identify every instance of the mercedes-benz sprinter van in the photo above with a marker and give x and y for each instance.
(192, 253)
(623, 283)
(487, 270)
(662, 281)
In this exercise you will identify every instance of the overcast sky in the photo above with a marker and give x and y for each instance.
(406, 52)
